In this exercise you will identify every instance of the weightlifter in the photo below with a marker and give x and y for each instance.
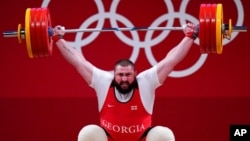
(125, 98)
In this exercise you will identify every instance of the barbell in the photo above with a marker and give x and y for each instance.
(38, 31)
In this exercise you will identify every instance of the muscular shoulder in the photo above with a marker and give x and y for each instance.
(149, 75)
(101, 77)
(147, 82)
(100, 82)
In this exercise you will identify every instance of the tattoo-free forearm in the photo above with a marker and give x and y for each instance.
(175, 56)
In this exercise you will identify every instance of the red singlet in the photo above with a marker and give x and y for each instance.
(124, 121)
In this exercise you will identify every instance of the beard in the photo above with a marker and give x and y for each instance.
(125, 87)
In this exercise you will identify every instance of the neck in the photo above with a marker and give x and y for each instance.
(123, 97)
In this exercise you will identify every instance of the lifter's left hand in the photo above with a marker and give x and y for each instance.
(191, 30)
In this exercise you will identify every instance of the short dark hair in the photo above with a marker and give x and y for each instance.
(124, 62)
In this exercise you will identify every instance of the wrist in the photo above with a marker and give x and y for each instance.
(55, 38)
(192, 35)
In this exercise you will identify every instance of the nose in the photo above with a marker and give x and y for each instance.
(124, 78)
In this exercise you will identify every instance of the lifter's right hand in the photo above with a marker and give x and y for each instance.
(58, 33)
(59, 30)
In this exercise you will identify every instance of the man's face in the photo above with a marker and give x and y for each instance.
(124, 78)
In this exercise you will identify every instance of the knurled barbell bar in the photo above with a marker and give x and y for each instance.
(38, 30)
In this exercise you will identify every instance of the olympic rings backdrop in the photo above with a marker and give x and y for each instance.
(46, 99)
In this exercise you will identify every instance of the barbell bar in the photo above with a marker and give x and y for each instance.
(38, 30)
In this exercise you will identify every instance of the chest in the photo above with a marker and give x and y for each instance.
(132, 107)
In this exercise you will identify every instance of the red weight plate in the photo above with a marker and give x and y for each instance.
(202, 28)
(47, 23)
(50, 43)
(33, 32)
(50, 38)
(43, 30)
(213, 29)
(207, 25)
(38, 31)
(43, 33)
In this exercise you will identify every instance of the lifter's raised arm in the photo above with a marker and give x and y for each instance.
(176, 55)
(74, 57)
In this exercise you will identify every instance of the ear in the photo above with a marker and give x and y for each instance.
(135, 73)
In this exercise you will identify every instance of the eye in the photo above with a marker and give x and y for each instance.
(120, 74)
(128, 74)
(124, 74)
